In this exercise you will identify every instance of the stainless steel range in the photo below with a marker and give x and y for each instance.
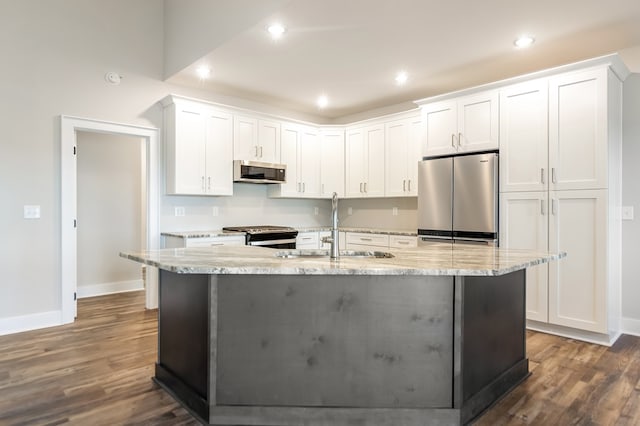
(267, 235)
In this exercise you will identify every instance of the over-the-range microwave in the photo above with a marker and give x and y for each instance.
(258, 172)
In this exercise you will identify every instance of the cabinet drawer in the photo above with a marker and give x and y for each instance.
(308, 240)
(401, 241)
(377, 240)
(236, 240)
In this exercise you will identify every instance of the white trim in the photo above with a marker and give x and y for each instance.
(68, 201)
(573, 333)
(101, 289)
(630, 326)
(30, 322)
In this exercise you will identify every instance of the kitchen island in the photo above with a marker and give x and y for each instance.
(432, 335)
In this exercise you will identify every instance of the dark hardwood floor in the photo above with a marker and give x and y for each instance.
(98, 371)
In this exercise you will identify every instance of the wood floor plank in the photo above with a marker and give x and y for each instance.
(97, 371)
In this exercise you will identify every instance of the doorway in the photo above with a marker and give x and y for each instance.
(70, 127)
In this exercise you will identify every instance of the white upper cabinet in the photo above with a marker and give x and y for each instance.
(300, 152)
(403, 144)
(365, 162)
(199, 149)
(524, 137)
(578, 134)
(331, 163)
(463, 124)
(256, 139)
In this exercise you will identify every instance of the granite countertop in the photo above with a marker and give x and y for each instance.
(436, 259)
(221, 233)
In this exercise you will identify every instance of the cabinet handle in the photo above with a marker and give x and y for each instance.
(403, 242)
(256, 148)
(553, 206)
(216, 244)
(459, 139)
(409, 185)
(260, 151)
(304, 187)
(203, 188)
(360, 186)
(298, 185)
(553, 175)
(542, 209)
(365, 187)
(404, 185)
(542, 175)
(453, 140)
(209, 183)
(322, 188)
(365, 239)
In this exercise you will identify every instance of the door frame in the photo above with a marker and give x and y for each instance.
(69, 126)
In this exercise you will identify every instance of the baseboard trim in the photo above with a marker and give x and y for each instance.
(630, 326)
(572, 333)
(109, 288)
(30, 322)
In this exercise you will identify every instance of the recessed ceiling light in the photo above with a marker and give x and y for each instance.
(524, 41)
(203, 72)
(322, 101)
(276, 31)
(401, 78)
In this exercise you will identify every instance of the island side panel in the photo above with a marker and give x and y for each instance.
(183, 338)
(341, 341)
(492, 339)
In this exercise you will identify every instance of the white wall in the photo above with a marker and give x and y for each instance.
(55, 55)
(110, 184)
(631, 197)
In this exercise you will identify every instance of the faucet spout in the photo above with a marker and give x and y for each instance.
(335, 235)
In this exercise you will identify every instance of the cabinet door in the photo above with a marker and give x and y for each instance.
(415, 148)
(374, 167)
(440, 120)
(396, 158)
(578, 283)
(268, 141)
(189, 160)
(478, 122)
(307, 240)
(219, 153)
(524, 137)
(289, 156)
(524, 225)
(354, 163)
(332, 163)
(245, 138)
(578, 130)
(309, 169)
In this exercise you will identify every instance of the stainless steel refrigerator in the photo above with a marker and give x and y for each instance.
(458, 199)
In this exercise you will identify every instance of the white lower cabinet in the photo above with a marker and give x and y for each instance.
(223, 240)
(365, 241)
(402, 241)
(571, 292)
(524, 225)
(578, 283)
(307, 240)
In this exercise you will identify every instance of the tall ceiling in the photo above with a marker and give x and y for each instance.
(351, 50)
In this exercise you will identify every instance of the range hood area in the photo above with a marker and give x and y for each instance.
(258, 172)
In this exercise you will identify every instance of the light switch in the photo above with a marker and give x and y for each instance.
(627, 212)
(179, 211)
(350, 211)
(32, 212)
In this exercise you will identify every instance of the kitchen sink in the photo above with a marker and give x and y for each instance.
(311, 253)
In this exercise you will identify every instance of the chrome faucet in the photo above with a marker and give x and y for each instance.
(334, 239)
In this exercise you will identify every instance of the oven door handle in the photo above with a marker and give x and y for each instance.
(271, 242)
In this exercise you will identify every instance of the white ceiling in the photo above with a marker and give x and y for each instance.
(351, 50)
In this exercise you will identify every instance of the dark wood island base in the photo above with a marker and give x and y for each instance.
(340, 349)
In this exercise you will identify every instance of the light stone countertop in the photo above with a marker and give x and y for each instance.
(436, 259)
(201, 234)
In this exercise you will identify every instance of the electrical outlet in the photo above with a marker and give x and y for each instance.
(32, 212)
(627, 212)
(316, 211)
(179, 211)
(215, 211)
(394, 211)
(350, 211)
